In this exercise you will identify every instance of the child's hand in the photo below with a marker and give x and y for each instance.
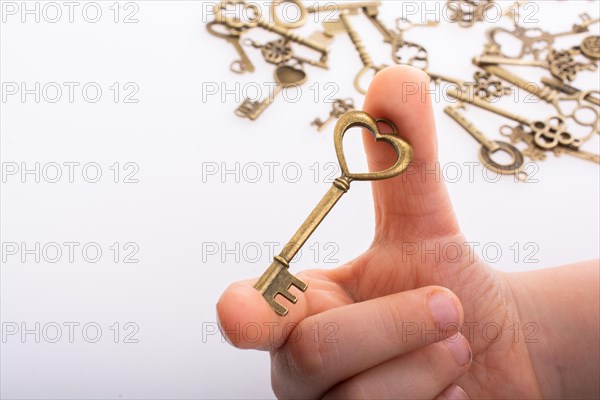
(387, 324)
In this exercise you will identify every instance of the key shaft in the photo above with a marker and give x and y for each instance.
(476, 101)
(339, 187)
(542, 92)
(491, 145)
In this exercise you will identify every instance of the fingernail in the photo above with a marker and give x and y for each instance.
(443, 309)
(459, 348)
(454, 392)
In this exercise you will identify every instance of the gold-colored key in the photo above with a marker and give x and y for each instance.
(277, 280)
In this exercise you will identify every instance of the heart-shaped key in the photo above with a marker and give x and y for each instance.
(277, 280)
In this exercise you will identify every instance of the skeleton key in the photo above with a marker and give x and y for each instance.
(519, 134)
(420, 58)
(563, 87)
(554, 98)
(232, 36)
(343, 25)
(483, 85)
(222, 14)
(489, 147)
(339, 107)
(560, 63)
(277, 279)
(468, 12)
(372, 13)
(352, 6)
(531, 37)
(280, 51)
(547, 134)
(285, 76)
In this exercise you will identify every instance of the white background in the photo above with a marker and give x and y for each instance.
(175, 211)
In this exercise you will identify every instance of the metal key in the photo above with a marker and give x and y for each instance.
(232, 36)
(520, 134)
(222, 15)
(339, 107)
(468, 12)
(489, 147)
(286, 76)
(561, 64)
(547, 134)
(420, 57)
(277, 280)
(531, 38)
(555, 98)
(564, 88)
(343, 25)
(280, 50)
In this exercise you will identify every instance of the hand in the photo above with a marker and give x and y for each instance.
(409, 321)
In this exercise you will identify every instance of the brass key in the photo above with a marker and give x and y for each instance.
(232, 36)
(277, 280)
(338, 108)
(489, 147)
(286, 76)
(343, 25)
(547, 135)
(551, 95)
(223, 15)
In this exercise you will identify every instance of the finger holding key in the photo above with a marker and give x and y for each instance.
(331, 347)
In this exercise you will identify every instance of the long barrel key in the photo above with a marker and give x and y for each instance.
(277, 280)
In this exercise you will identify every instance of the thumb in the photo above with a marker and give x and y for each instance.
(415, 204)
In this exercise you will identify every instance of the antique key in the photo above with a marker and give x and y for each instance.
(531, 38)
(546, 134)
(420, 57)
(563, 87)
(561, 64)
(280, 51)
(343, 25)
(520, 134)
(232, 36)
(286, 76)
(554, 98)
(277, 280)
(489, 147)
(468, 12)
(314, 42)
(339, 107)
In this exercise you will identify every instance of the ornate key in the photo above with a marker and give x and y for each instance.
(343, 25)
(578, 99)
(520, 134)
(564, 88)
(468, 12)
(339, 107)
(225, 13)
(483, 85)
(232, 36)
(277, 280)
(590, 47)
(409, 53)
(285, 76)
(561, 64)
(489, 147)
(280, 51)
(534, 41)
(546, 134)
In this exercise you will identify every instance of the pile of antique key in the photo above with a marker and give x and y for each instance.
(234, 18)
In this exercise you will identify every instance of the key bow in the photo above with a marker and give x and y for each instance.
(355, 118)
